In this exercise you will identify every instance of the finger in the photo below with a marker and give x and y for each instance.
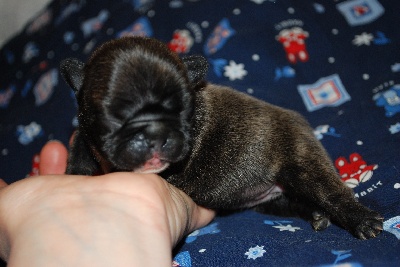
(53, 158)
(198, 216)
(2, 183)
(203, 216)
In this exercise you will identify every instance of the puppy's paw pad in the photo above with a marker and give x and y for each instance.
(369, 228)
(320, 221)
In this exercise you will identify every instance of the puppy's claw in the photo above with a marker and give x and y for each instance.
(320, 221)
(369, 228)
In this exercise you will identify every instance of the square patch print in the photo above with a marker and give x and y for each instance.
(360, 12)
(326, 92)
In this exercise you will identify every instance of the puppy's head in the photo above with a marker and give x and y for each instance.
(135, 101)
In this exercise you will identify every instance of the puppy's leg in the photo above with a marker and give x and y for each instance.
(284, 206)
(81, 160)
(320, 185)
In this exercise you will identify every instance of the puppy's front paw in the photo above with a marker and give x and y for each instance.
(369, 227)
(320, 221)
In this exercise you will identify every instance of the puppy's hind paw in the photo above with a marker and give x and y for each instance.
(369, 228)
(320, 221)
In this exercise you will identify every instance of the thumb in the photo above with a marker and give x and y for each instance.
(203, 216)
(2, 183)
(53, 158)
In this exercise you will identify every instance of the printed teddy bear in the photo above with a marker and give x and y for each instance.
(294, 44)
(389, 99)
(356, 171)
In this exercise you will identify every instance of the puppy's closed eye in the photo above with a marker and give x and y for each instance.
(172, 104)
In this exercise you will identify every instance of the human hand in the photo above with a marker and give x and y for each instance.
(118, 219)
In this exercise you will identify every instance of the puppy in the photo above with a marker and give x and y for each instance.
(143, 109)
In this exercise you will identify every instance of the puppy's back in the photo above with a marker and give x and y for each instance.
(240, 146)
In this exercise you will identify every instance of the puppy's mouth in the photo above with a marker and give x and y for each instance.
(153, 165)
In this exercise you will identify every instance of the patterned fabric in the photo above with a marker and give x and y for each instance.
(336, 62)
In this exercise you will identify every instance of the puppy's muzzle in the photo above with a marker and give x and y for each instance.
(159, 145)
(156, 137)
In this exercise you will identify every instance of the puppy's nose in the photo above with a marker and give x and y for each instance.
(147, 143)
(156, 136)
(156, 144)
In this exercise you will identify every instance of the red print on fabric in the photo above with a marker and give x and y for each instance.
(293, 41)
(35, 165)
(181, 42)
(361, 10)
(356, 171)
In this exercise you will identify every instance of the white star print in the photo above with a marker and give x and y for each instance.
(288, 227)
(363, 39)
(255, 252)
(235, 71)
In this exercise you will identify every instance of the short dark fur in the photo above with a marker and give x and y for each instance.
(227, 150)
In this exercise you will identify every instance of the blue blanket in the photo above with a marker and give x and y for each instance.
(335, 62)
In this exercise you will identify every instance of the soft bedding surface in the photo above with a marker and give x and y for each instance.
(335, 62)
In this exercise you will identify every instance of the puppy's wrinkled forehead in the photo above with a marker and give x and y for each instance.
(142, 63)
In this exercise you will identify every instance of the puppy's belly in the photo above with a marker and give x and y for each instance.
(261, 197)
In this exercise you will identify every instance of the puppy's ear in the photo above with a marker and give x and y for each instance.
(72, 71)
(197, 67)
(80, 159)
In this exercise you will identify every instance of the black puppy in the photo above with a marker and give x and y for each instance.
(143, 109)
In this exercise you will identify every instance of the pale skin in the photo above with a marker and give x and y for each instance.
(118, 219)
